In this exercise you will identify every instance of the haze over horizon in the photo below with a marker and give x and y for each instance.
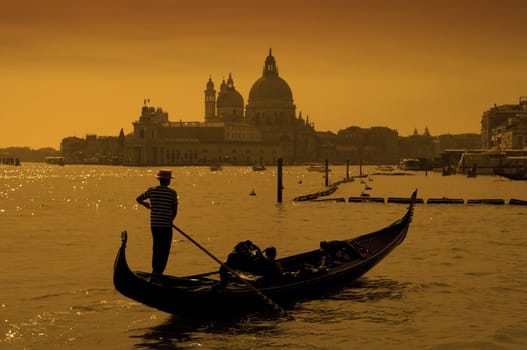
(72, 68)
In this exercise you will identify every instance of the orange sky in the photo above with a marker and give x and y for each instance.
(67, 69)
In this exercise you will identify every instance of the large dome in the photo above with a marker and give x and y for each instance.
(270, 86)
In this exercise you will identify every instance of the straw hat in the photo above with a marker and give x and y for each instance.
(164, 174)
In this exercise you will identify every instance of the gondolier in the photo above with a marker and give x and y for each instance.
(163, 202)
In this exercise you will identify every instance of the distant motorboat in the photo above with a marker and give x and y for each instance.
(216, 167)
(317, 167)
(411, 164)
(259, 167)
(448, 171)
(385, 168)
(472, 172)
(55, 160)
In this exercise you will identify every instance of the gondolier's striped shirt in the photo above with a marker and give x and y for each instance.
(164, 202)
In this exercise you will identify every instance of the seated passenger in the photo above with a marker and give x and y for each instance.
(246, 256)
(271, 269)
(334, 252)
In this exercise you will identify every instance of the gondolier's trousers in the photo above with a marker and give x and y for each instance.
(162, 240)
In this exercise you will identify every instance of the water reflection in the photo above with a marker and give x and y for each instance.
(334, 306)
(180, 332)
(359, 300)
(366, 289)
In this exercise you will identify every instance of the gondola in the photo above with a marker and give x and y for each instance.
(306, 275)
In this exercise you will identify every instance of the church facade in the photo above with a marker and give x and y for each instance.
(261, 131)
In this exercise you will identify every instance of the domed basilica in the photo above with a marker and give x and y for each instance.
(270, 104)
(265, 129)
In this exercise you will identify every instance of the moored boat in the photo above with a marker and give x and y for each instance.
(317, 167)
(385, 168)
(411, 164)
(55, 160)
(305, 274)
(515, 201)
(493, 162)
(516, 174)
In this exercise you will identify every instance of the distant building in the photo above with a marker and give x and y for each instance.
(375, 145)
(417, 145)
(93, 149)
(458, 141)
(449, 148)
(505, 127)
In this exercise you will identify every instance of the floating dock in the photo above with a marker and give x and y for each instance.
(514, 201)
(406, 200)
(366, 199)
(486, 201)
(445, 200)
(403, 200)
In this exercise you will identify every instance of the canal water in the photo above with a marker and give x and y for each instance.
(458, 281)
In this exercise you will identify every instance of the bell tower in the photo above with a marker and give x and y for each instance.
(210, 101)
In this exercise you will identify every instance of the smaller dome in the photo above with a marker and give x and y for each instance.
(228, 96)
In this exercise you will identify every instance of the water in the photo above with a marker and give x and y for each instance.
(457, 282)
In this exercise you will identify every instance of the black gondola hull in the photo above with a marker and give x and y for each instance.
(198, 294)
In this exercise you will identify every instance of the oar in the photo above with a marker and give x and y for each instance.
(268, 301)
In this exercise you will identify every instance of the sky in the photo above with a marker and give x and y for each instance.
(72, 68)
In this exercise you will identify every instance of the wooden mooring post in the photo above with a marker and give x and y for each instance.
(279, 184)
(326, 171)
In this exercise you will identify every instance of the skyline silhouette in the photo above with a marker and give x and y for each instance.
(76, 69)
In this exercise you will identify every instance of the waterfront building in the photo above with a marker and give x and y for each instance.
(417, 146)
(375, 145)
(505, 126)
(93, 149)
